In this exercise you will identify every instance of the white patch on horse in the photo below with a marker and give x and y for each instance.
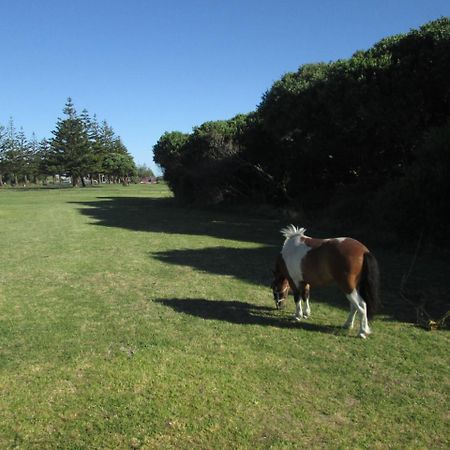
(359, 306)
(293, 251)
(339, 239)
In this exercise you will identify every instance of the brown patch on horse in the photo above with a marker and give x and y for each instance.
(328, 263)
(312, 242)
(280, 268)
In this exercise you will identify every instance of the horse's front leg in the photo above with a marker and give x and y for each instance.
(298, 306)
(305, 297)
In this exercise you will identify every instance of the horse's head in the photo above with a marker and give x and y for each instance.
(280, 289)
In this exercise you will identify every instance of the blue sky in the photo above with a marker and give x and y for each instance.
(153, 66)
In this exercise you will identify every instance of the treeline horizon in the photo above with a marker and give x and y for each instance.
(81, 148)
(366, 138)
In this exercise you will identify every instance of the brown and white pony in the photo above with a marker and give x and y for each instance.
(346, 262)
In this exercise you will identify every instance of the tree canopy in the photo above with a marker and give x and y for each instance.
(81, 148)
(356, 126)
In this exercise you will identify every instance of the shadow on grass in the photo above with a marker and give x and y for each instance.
(254, 265)
(242, 313)
(50, 187)
(164, 215)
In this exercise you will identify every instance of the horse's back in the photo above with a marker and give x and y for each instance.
(337, 261)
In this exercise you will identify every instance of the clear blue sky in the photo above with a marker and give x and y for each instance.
(163, 65)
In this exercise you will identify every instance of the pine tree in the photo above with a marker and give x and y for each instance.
(70, 145)
(11, 152)
(47, 161)
(33, 157)
(2, 153)
(22, 157)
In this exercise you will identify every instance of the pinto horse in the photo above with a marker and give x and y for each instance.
(346, 262)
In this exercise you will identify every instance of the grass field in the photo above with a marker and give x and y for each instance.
(127, 321)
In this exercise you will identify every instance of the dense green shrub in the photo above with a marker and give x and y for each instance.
(361, 125)
(418, 202)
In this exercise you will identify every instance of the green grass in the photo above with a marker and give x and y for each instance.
(127, 321)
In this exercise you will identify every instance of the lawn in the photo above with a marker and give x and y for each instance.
(128, 321)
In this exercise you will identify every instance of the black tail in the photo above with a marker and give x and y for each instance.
(369, 284)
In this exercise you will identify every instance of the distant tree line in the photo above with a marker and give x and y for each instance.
(370, 133)
(81, 149)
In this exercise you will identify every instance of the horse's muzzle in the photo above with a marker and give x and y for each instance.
(279, 300)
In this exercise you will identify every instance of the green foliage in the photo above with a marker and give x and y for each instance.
(351, 124)
(70, 145)
(19, 157)
(201, 167)
(417, 203)
(168, 148)
(119, 165)
(167, 153)
(81, 148)
(144, 171)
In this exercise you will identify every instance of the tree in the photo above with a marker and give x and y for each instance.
(2, 153)
(70, 145)
(119, 167)
(12, 152)
(144, 171)
(33, 158)
(78, 149)
(47, 161)
(328, 131)
(23, 157)
(167, 151)
(167, 154)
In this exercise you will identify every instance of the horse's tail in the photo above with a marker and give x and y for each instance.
(369, 284)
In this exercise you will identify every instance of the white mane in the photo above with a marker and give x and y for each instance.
(292, 230)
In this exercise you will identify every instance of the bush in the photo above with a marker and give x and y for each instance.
(418, 202)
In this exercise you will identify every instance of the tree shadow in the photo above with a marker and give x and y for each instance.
(253, 265)
(241, 313)
(425, 287)
(165, 215)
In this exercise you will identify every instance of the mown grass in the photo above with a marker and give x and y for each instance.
(127, 321)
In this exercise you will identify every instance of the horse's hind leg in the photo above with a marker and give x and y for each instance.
(360, 305)
(351, 317)
(303, 294)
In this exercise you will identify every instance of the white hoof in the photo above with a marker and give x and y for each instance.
(362, 335)
(297, 318)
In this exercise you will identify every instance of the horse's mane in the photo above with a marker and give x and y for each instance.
(292, 230)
